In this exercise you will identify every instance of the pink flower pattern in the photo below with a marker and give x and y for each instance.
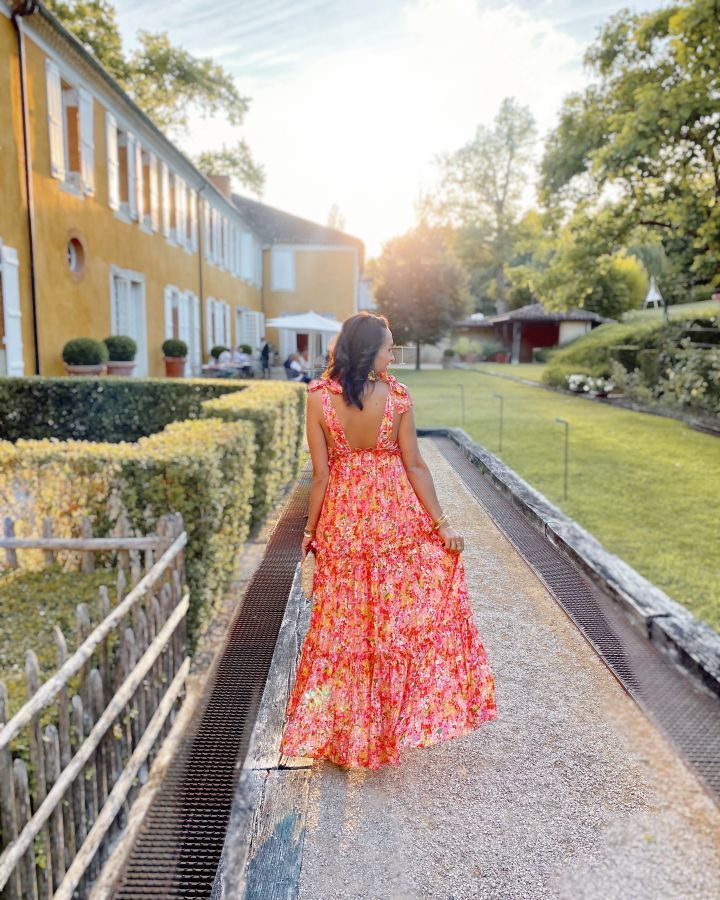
(392, 657)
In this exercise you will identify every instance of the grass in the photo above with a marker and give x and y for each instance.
(678, 311)
(529, 371)
(647, 487)
(28, 622)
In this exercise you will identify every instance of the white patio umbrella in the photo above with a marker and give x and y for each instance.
(316, 327)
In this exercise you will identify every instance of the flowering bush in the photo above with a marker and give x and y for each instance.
(690, 377)
(589, 384)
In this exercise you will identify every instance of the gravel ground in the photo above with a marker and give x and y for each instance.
(569, 793)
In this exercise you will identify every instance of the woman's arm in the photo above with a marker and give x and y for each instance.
(421, 480)
(319, 457)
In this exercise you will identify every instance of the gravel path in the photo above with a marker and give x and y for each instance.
(569, 793)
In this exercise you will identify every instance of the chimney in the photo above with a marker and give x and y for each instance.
(222, 183)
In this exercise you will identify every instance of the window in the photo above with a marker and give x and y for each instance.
(249, 327)
(125, 177)
(182, 320)
(127, 311)
(12, 361)
(193, 221)
(218, 323)
(153, 191)
(283, 270)
(70, 127)
(246, 257)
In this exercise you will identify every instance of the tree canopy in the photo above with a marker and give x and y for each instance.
(419, 287)
(166, 82)
(646, 133)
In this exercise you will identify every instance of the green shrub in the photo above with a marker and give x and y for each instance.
(217, 350)
(543, 354)
(448, 352)
(101, 409)
(278, 419)
(626, 355)
(246, 348)
(84, 352)
(647, 362)
(174, 348)
(121, 348)
(556, 373)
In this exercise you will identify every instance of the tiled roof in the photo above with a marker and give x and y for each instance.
(536, 312)
(274, 226)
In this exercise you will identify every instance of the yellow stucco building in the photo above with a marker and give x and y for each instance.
(107, 228)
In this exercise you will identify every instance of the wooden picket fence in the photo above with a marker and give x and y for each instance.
(74, 757)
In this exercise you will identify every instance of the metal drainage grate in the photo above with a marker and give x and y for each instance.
(179, 847)
(688, 714)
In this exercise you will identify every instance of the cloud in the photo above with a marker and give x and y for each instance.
(360, 127)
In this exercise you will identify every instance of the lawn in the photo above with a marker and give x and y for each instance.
(647, 487)
(528, 371)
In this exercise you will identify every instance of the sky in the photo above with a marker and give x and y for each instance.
(352, 101)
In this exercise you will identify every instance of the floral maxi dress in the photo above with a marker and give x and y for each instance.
(392, 657)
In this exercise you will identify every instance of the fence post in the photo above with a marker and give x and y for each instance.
(22, 793)
(10, 554)
(65, 749)
(57, 837)
(8, 822)
(47, 531)
(37, 760)
(88, 558)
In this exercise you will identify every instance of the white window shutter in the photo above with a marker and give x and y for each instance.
(228, 326)
(178, 207)
(195, 349)
(154, 199)
(206, 230)
(87, 140)
(246, 256)
(12, 313)
(210, 315)
(165, 185)
(113, 168)
(193, 220)
(55, 120)
(139, 182)
(168, 293)
(132, 176)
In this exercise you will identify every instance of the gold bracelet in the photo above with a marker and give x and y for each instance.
(439, 522)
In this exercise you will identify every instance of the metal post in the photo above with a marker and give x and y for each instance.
(565, 474)
(462, 402)
(500, 398)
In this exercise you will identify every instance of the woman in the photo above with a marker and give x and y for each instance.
(392, 658)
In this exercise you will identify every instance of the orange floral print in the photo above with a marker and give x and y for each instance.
(392, 657)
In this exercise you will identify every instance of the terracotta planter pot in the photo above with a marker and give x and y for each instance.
(175, 366)
(85, 370)
(502, 357)
(120, 367)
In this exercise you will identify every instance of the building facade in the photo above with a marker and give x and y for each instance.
(107, 228)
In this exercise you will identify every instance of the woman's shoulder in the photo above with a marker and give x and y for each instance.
(330, 383)
(400, 392)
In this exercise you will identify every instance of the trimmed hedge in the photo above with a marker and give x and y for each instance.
(100, 409)
(277, 412)
(221, 472)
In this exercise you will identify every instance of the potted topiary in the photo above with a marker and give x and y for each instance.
(217, 350)
(447, 357)
(122, 350)
(175, 352)
(246, 348)
(84, 356)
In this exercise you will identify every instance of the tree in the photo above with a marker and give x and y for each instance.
(166, 82)
(482, 184)
(648, 130)
(335, 218)
(419, 287)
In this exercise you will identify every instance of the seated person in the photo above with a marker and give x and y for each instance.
(294, 369)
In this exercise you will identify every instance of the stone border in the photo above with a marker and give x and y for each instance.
(689, 642)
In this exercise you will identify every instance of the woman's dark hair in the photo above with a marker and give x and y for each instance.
(353, 353)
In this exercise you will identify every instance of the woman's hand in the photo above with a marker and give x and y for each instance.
(453, 541)
(307, 545)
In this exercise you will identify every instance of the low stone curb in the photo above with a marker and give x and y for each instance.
(690, 643)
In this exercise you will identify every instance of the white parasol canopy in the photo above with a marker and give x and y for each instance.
(305, 323)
